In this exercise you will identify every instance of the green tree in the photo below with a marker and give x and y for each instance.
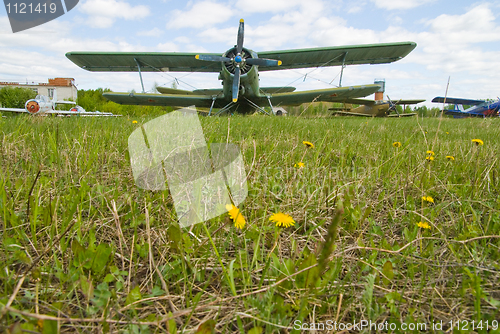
(15, 97)
(92, 100)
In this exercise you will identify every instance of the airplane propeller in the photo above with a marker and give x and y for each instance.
(239, 59)
(392, 106)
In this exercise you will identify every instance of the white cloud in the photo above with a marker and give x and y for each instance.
(103, 13)
(477, 25)
(400, 4)
(167, 47)
(151, 33)
(201, 14)
(260, 6)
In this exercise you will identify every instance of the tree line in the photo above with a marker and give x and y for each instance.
(92, 100)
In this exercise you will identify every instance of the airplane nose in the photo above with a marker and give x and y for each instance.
(32, 107)
(238, 59)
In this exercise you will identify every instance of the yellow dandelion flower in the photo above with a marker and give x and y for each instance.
(430, 152)
(299, 165)
(447, 133)
(282, 219)
(396, 144)
(134, 122)
(308, 144)
(428, 199)
(478, 142)
(450, 158)
(236, 216)
(424, 225)
(429, 158)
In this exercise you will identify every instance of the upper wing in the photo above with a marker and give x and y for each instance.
(178, 100)
(149, 61)
(334, 56)
(452, 100)
(14, 110)
(321, 95)
(408, 101)
(187, 62)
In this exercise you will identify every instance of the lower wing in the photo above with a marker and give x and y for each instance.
(177, 100)
(80, 113)
(205, 101)
(340, 94)
(346, 113)
(462, 114)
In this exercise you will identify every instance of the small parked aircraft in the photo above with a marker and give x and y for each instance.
(43, 105)
(238, 69)
(480, 108)
(373, 108)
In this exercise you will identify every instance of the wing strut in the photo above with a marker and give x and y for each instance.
(259, 108)
(140, 73)
(212, 106)
(226, 108)
(342, 71)
(270, 104)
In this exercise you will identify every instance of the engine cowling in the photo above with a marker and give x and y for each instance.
(32, 106)
(245, 54)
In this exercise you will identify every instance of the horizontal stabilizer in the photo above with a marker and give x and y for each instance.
(65, 102)
(452, 100)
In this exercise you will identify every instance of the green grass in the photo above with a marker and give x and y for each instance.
(85, 251)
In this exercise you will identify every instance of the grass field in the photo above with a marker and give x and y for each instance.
(382, 235)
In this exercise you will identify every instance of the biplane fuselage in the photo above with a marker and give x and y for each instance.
(377, 110)
(371, 108)
(249, 82)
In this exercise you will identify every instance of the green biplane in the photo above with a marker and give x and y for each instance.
(238, 69)
(372, 108)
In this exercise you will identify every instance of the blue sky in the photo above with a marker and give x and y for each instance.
(457, 39)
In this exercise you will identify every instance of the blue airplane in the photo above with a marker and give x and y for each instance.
(480, 108)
